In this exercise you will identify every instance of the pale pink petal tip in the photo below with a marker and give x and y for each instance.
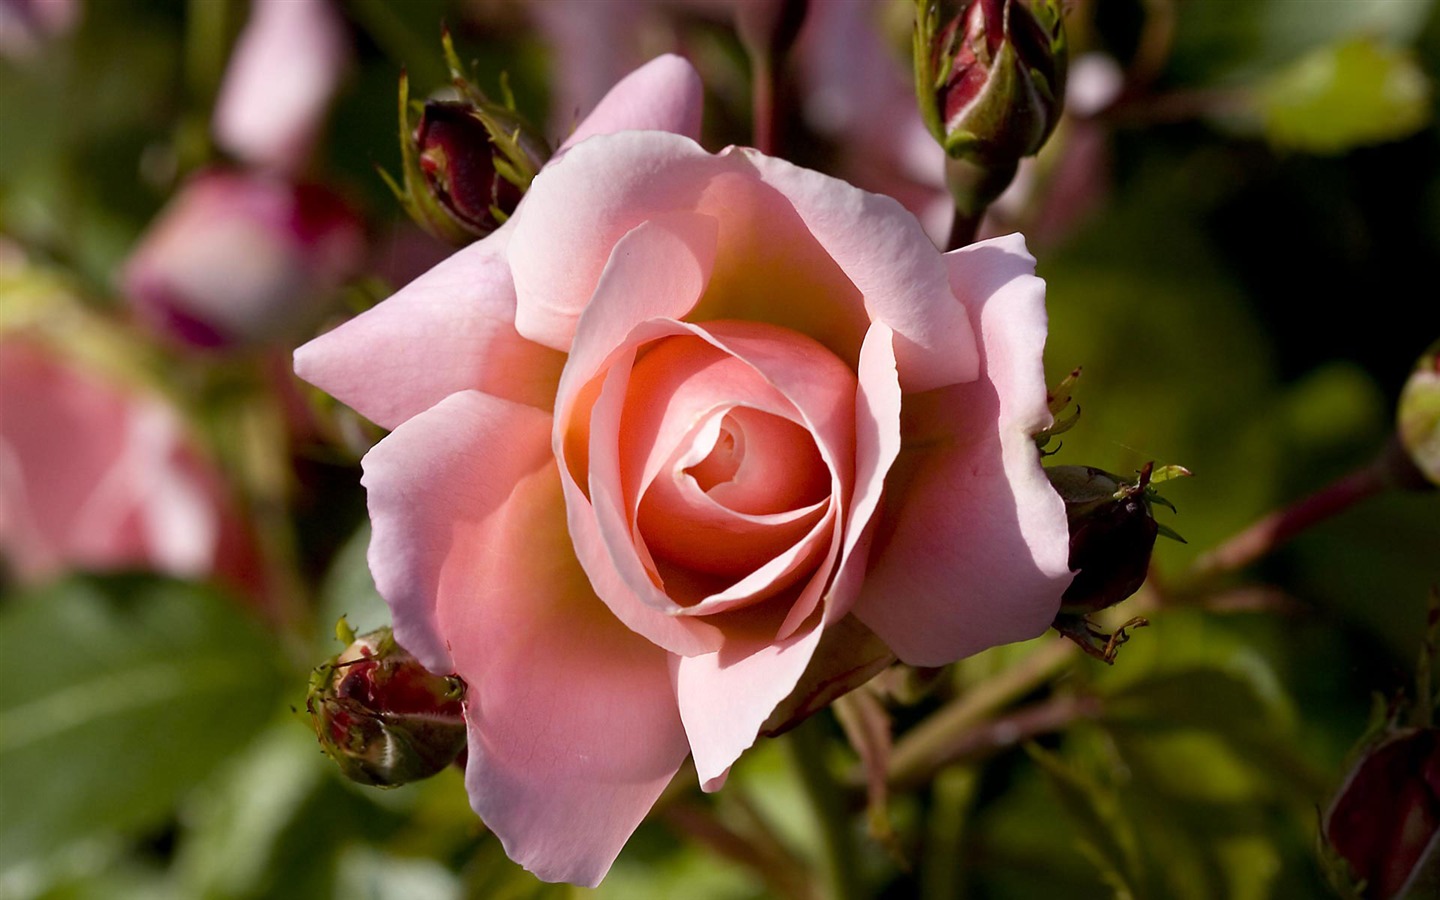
(665, 94)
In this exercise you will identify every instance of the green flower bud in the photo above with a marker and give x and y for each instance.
(383, 717)
(1418, 418)
(990, 76)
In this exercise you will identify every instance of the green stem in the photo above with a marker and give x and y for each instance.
(807, 745)
(1278, 528)
(974, 187)
(927, 747)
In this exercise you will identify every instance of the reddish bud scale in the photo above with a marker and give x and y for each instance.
(998, 70)
(1112, 534)
(457, 159)
(1110, 550)
(1385, 820)
(382, 717)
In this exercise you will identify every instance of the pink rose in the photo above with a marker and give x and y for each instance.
(243, 258)
(95, 476)
(682, 414)
(285, 70)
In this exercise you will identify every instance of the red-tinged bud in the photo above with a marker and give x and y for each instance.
(991, 76)
(1112, 534)
(457, 159)
(1418, 417)
(1384, 822)
(383, 717)
(468, 161)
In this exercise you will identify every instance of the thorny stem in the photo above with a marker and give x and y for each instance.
(926, 748)
(1046, 717)
(1279, 527)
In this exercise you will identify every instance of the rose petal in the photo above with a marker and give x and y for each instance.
(726, 696)
(665, 94)
(893, 265)
(877, 443)
(449, 330)
(655, 271)
(788, 254)
(977, 551)
(283, 74)
(573, 729)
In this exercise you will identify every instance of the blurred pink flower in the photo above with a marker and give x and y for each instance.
(855, 89)
(97, 477)
(647, 448)
(25, 25)
(281, 78)
(241, 258)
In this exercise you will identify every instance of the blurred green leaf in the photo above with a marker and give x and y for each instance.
(367, 874)
(1345, 95)
(1229, 705)
(1226, 40)
(232, 834)
(1101, 827)
(116, 696)
(349, 591)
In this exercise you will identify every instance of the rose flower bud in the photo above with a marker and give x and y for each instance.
(1384, 822)
(238, 259)
(1112, 533)
(995, 83)
(646, 453)
(468, 162)
(1418, 419)
(383, 718)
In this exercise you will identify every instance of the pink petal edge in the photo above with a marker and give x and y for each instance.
(573, 727)
(665, 94)
(976, 546)
(449, 330)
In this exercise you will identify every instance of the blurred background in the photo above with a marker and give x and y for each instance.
(1238, 220)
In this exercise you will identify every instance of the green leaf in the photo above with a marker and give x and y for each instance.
(1345, 95)
(349, 591)
(116, 696)
(1239, 708)
(1104, 833)
(1223, 41)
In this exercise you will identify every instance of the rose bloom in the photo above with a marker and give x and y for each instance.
(96, 476)
(241, 258)
(655, 436)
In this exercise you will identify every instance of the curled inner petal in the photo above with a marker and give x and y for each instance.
(720, 476)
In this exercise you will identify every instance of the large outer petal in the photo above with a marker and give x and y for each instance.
(452, 329)
(665, 94)
(449, 330)
(973, 548)
(885, 271)
(573, 729)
